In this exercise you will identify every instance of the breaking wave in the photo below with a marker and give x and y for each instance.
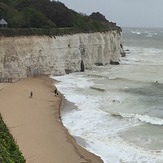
(142, 118)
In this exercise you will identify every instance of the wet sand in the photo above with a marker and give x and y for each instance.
(35, 123)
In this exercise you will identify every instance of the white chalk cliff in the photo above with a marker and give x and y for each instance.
(32, 55)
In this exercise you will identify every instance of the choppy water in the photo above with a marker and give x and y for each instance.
(120, 108)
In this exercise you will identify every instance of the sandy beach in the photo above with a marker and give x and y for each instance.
(35, 123)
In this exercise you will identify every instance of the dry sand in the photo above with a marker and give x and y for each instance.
(35, 123)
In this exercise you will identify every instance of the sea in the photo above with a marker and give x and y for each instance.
(118, 112)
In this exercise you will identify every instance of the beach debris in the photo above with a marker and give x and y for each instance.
(114, 62)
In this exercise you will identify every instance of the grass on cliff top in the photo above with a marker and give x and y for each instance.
(9, 150)
(51, 32)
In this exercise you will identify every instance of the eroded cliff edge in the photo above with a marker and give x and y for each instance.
(33, 55)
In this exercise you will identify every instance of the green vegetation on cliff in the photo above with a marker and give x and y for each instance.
(9, 151)
(46, 14)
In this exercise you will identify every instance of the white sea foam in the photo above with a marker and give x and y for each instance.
(101, 135)
(97, 127)
(101, 130)
(69, 81)
(117, 151)
(70, 85)
(147, 33)
(146, 56)
(136, 32)
(150, 33)
(143, 118)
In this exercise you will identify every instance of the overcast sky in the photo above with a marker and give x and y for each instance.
(126, 13)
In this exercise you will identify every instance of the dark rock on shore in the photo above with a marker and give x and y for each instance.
(114, 63)
(99, 64)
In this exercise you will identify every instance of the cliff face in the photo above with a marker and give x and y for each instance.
(32, 55)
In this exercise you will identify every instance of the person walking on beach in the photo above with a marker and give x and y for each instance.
(31, 94)
(56, 92)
